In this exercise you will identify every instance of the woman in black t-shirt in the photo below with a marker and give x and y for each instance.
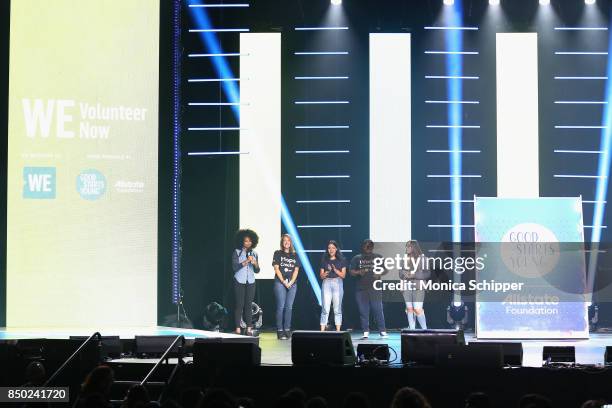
(286, 267)
(332, 271)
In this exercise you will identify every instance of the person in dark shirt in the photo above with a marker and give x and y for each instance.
(332, 272)
(362, 267)
(286, 267)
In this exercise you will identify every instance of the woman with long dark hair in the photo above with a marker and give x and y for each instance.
(245, 265)
(415, 296)
(332, 272)
(286, 267)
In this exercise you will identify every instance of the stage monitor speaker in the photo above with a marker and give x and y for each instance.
(57, 351)
(154, 346)
(419, 346)
(559, 354)
(608, 355)
(310, 348)
(111, 345)
(513, 351)
(369, 351)
(30, 349)
(12, 373)
(473, 356)
(218, 352)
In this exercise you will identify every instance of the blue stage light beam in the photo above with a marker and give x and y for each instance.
(603, 168)
(454, 84)
(454, 71)
(299, 247)
(224, 72)
(213, 46)
(603, 173)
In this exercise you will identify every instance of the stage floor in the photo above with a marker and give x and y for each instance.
(11, 333)
(278, 352)
(588, 351)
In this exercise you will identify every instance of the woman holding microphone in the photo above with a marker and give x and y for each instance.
(245, 265)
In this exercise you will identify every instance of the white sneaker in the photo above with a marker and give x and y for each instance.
(365, 335)
(384, 335)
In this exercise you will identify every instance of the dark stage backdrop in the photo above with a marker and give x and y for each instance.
(209, 184)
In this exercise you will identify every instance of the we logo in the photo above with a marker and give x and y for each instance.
(39, 114)
(39, 182)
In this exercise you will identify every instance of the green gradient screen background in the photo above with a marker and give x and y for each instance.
(82, 167)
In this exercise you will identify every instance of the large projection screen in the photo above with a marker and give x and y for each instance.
(82, 166)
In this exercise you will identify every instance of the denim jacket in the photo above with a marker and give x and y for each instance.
(244, 274)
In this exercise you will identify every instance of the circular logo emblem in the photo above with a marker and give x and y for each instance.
(530, 250)
(91, 184)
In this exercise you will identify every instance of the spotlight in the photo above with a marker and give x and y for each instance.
(336, 2)
(494, 2)
(257, 318)
(214, 313)
(589, 2)
(456, 315)
(545, 2)
(449, 2)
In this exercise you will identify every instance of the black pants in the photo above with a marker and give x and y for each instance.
(244, 293)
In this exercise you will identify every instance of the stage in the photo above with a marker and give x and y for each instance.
(278, 352)
(566, 385)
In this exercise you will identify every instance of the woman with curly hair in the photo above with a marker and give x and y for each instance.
(332, 272)
(245, 265)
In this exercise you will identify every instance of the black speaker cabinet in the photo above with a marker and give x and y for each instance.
(111, 345)
(419, 346)
(559, 354)
(477, 356)
(154, 346)
(513, 351)
(225, 352)
(322, 348)
(57, 351)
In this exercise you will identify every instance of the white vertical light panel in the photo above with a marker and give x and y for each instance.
(517, 115)
(390, 137)
(260, 142)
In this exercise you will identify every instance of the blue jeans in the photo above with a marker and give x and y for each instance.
(370, 300)
(284, 305)
(333, 290)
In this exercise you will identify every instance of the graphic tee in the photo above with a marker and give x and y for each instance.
(365, 261)
(286, 263)
(327, 265)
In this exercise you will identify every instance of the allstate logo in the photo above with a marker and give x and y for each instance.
(91, 184)
(530, 250)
